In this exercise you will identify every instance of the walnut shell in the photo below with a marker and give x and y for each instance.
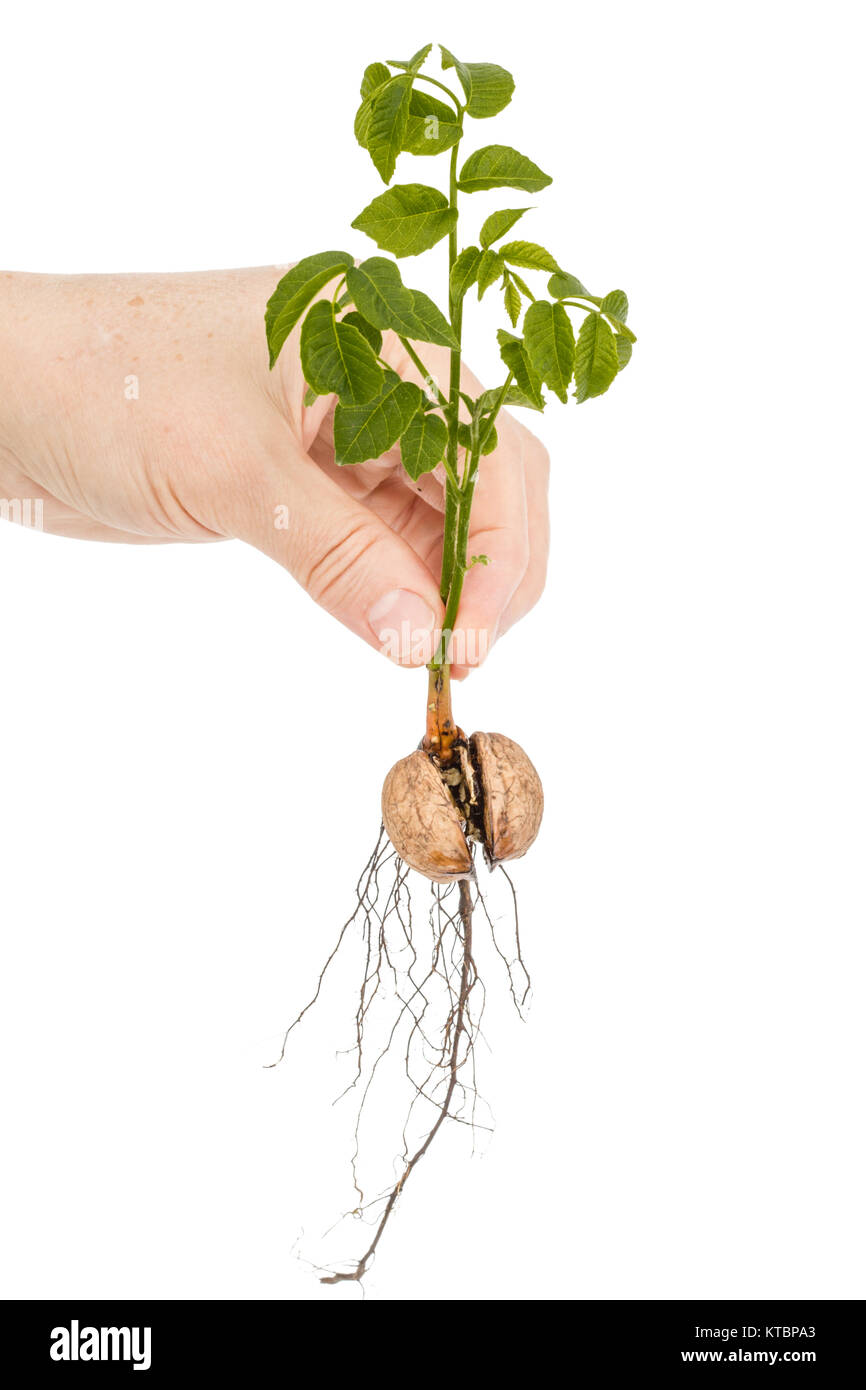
(422, 821)
(513, 795)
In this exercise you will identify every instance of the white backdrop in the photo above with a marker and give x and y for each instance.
(184, 810)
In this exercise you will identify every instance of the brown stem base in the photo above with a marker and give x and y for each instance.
(442, 733)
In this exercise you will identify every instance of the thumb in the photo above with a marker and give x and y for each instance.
(345, 556)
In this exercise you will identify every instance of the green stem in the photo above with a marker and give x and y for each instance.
(452, 495)
(497, 406)
(461, 540)
(459, 567)
(458, 499)
(424, 77)
(452, 477)
(449, 533)
(428, 377)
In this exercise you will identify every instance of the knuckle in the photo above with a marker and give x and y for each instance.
(508, 549)
(512, 553)
(536, 585)
(521, 551)
(527, 596)
(329, 571)
(539, 459)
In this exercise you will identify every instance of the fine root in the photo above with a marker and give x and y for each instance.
(428, 1001)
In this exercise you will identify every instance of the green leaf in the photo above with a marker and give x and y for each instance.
(623, 351)
(373, 336)
(490, 269)
(385, 302)
(385, 132)
(615, 304)
(296, 290)
(375, 76)
(512, 301)
(364, 432)
(615, 307)
(425, 104)
(464, 436)
(428, 323)
(309, 396)
(362, 120)
(336, 357)
(499, 166)
(407, 219)
(514, 396)
(415, 62)
(564, 286)
(521, 285)
(431, 127)
(491, 441)
(487, 400)
(498, 223)
(596, 362)
(549, 340)
(488, 88)
(464, 272)
(528, 255)
(423, 444)
(621, 328)
(527, 381)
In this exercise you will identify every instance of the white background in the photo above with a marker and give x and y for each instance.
(184, 806)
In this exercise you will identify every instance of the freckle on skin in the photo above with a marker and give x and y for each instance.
(136, 301)
(178, 357)
(210, 335)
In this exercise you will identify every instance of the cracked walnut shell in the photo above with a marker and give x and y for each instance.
(430, 817)
(422, 821)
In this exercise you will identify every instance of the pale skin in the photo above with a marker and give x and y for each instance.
(140, 409)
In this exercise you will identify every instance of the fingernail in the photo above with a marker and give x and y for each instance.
(403, 623)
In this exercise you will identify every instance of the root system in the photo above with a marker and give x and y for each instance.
(421, 985)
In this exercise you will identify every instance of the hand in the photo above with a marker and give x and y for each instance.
(140, 408)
